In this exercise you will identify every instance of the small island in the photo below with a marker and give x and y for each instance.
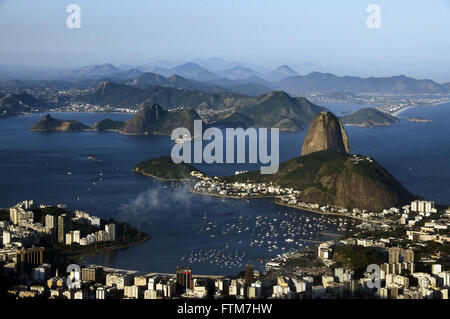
(419, 119)
(369, 117)
(107, 126)
(50, 124)
(164, 169)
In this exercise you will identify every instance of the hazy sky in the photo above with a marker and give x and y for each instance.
(413, 38)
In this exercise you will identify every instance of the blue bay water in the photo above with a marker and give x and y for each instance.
(54, 168)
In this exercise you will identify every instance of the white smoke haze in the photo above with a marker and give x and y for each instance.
(156, 203)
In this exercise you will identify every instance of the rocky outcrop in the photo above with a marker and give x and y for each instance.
(327, 174)
(153, 119)
(50, 124)
(144, 121)
(107, 125)
(326, 132)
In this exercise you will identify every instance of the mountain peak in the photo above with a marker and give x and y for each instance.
(326, 132)
(144, 120)
(285, 67)
(282, 72)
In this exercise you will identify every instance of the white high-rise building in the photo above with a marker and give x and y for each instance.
(436, 269)
(100, 293)
(69, 238)
(111, 231)
(50, 221)
(6, 238)
(420, 206)
(76, 236)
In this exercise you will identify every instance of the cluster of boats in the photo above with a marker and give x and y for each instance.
(260, 237)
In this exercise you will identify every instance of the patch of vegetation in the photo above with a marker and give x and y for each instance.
(107, 125)
(433, 248)
(357, 257)
(4, 214)
(165, 169)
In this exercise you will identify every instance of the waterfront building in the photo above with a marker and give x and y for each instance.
(141, 281)
(93, 274)
(184, 279)
(133, 292)
(150, 294)
(118, 280)
(249, 275)
(111, 231)
(105, 292)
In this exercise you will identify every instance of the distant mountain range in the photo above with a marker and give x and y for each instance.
(110, 93)
(149, 79)
(326, 82)
(216, 76)
(274, 109)
(101, 71)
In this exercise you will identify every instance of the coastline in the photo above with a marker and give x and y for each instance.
(80, 257)
(311, 210)
(397, 113)
(163, 179)
(280, 203)
(276, 201)
(229, 196)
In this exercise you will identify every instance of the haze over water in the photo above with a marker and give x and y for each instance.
(36, 166)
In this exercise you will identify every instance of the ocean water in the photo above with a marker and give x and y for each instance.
(54, 168)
